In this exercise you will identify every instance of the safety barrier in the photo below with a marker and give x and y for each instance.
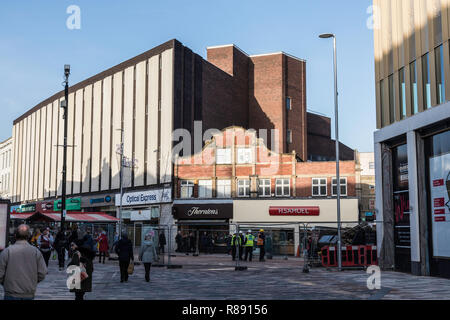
(352, 256)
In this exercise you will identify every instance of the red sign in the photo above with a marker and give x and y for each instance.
(438, 202)
(294, 211)
(439, 219)
(439, 211)
(438, 182)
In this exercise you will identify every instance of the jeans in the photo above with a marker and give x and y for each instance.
(262, 253)
(124, 270)
(46, 256)
(248, 253)
(11, 298)
(61, 253)
(147, 267)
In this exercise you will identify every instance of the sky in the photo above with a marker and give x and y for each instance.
(35, 43)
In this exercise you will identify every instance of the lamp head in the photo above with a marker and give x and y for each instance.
(66, 70)
(326, 36)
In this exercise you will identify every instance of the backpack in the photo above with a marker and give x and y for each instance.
(45, 243)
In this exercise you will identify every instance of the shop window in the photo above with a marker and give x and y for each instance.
(205, 189)
(282, 188)
(392, 100)
(426, 81)
(319, 187)
(264, 188)
(223, 188)
(244, 155)
(243, 187)
(223, 156)
(187, 189)
(440, 74)
(343, 185)
(414, 93)
(402, 86)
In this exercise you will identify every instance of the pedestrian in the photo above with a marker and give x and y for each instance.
(249, 243)
(203, 242)
(192, 245)
(103, 246)
(235, 244)
(260, 243)
(241, 244)
(124, 250)
(60, 247)
(186, 243)
(22, 267)
(179, 241)
(45, 245)
(72, 238)
(228, 240)
(148, 255)
(210, 244)
(83, 257)
(162, 242)
(35, 237)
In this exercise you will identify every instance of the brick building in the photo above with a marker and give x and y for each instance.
(236, 179)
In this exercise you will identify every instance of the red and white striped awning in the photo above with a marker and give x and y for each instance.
(71, 217)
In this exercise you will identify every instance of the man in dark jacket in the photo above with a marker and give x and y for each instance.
(162, 242)
(124, 250)
(60, 245)
(179, 241)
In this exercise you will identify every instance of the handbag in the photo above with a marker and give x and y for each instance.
(131, 268)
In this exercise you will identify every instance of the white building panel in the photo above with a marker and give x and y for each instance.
(26, 152)
(48, 149)
(60, 149)
(106, 134)
(54, 157)
(87, 132)
(70, 141)
(32, 139)
(128, 123)
(166, 115)
(96, 135)
(78, 142)
(152, 120)
(116, 133)
(42, 143)
(139, 138)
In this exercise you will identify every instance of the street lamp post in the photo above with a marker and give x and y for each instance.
(64, 105)
(338, 180)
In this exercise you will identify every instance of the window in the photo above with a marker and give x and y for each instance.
(402, 85)
(371, 165)
(440, 74)
(243, 187)
(187, 189)
(244, 155)
(382, 105)
(426, 81)
(223, 188)
(264, 188)
(414, 99)
(205, 189)
(319, 186)
(288, 103)
(392, 102)
(282, 188)
(343, 185)
(289, 136)
(223, 156)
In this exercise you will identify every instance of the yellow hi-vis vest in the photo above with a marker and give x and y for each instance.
(233, 240)
(250, 239)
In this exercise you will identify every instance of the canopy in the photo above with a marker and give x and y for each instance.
(72, 216)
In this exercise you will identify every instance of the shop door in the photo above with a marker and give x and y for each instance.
(402, 231)
(137, 234)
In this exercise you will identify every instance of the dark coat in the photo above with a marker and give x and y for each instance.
(124, 249)
(87, 256)
(162, 239)
(60, 241)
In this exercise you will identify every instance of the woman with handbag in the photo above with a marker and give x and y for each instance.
(148, 255)
(82, 256)
(124, 250)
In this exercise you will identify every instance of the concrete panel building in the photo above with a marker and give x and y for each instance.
(5, 168)
(412, 145)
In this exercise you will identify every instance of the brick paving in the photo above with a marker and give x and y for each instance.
(214, 278)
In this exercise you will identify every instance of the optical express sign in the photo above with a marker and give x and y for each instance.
(145, 197)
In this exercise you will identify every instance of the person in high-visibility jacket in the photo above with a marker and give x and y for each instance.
(261, 241)
(249, 243)
(235, 244)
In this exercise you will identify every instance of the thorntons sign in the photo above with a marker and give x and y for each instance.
(203, 211)
(145, 197)
(294, 211)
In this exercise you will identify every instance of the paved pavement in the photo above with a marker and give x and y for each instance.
(214, 278)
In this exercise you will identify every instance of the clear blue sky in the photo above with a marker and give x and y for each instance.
(35, 44)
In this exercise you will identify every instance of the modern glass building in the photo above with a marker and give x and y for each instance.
(412, 144)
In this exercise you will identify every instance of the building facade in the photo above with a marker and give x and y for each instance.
(412, 145)
(237, 180)
(5, 168)
(365, 181)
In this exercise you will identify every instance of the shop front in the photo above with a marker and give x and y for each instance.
(145, 211)
(203, 224)
(101, 202)
(285, 221)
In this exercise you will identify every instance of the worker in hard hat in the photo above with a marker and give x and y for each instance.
(249, 243)
(235, 244)
(241, 245)
(261, 241)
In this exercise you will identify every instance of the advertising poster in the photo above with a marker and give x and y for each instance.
(440, 204)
